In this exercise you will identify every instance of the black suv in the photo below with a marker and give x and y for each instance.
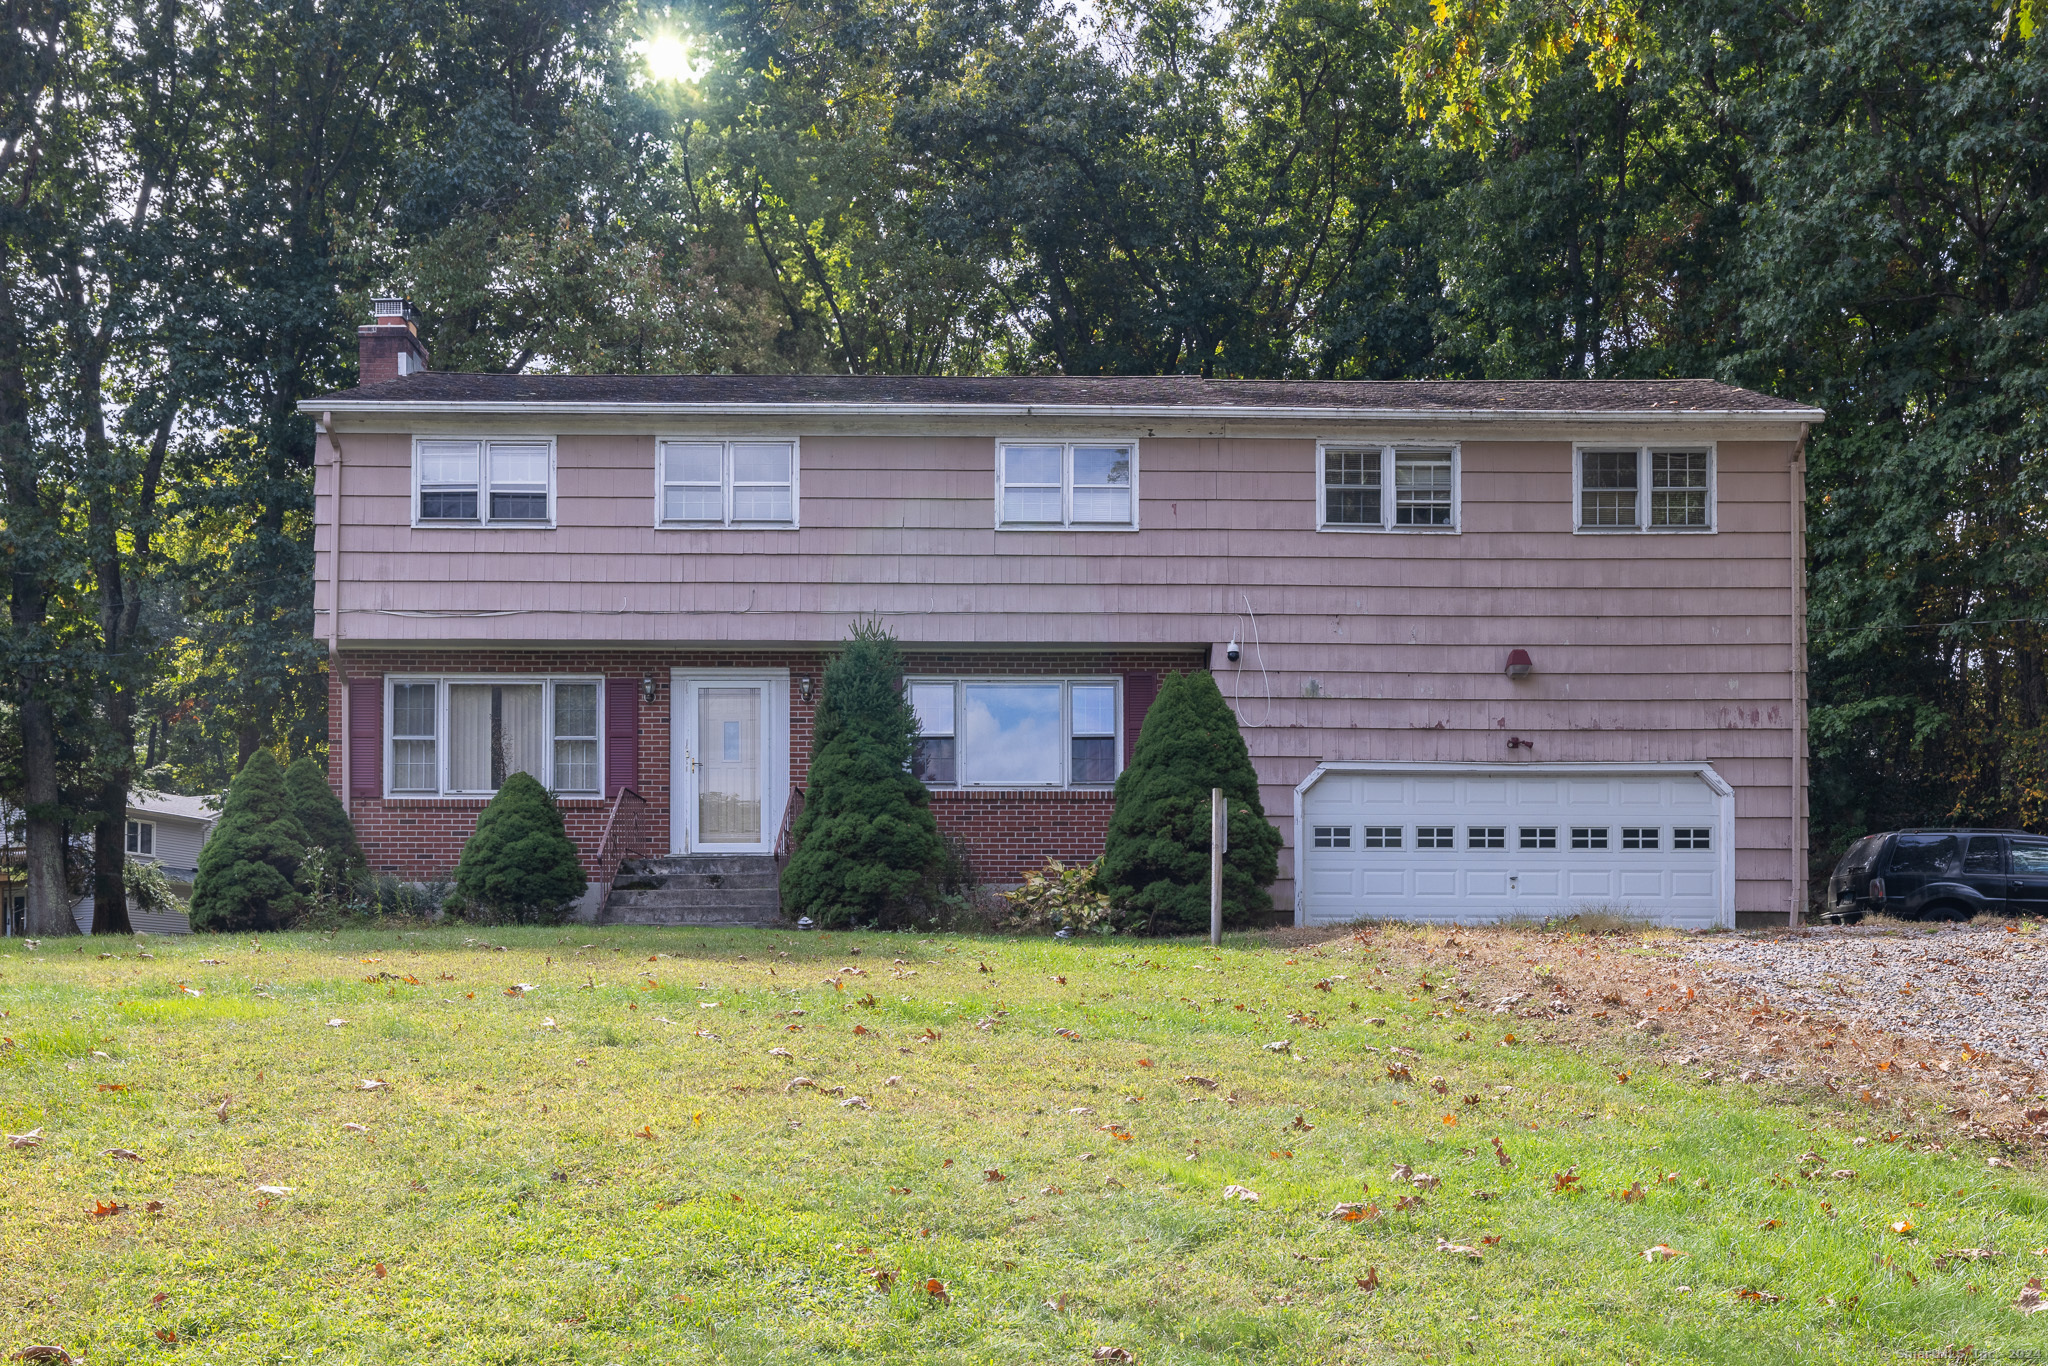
(1941, 875)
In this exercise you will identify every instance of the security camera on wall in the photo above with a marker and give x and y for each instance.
(1229, 652)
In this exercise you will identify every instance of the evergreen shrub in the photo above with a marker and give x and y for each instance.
(867, 848)
(1155, 862)
(247, 866)
(334, 858)
(520, 866)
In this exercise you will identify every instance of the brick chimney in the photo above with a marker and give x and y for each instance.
(390, 345)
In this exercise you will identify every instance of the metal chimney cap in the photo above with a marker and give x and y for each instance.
(389, 307)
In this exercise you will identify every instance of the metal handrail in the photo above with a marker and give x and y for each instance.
(608, 852)
(791, 809)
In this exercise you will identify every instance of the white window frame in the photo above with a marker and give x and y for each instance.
(1388, 450)
(1066, 522)
(1644, 450)
(725, 482)
(131, 839)
(483, 483)
(440, 683)
(1067, 682)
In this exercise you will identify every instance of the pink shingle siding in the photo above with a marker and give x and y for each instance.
(1658, 648)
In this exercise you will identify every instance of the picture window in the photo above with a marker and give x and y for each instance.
(1016, 732)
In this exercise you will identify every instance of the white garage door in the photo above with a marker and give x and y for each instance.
(1475, 846)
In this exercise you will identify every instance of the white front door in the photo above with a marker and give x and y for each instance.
(731, 744)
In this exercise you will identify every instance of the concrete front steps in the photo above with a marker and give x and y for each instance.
(695, 889)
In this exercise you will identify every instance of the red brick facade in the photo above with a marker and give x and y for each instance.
(1008, 833)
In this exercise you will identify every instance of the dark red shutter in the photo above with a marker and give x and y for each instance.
(366, 737)
(621, 734)
(1139, 690)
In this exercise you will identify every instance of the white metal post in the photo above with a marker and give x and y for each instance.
(1219, 840)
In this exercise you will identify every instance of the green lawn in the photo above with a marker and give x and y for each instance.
(615, 1166)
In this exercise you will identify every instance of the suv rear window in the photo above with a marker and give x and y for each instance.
(2030, 856)
(1931, 855)
(1862, 854)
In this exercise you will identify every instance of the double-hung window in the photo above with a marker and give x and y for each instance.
(142, 838)
(1078, 485)
(495, 482)
(1016, 732)
(708, 483)
(1381, 488)
(465, 736)
(1645, 488)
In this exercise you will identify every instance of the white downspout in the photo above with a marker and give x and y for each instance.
(1801, 835)
(334, 616)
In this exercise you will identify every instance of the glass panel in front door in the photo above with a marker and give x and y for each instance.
(729, 766)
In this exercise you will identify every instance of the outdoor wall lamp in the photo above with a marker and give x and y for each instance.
(803, 687)
(1519, 664)
(647, 688)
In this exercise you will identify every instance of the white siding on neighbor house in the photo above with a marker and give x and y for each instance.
(177, 841)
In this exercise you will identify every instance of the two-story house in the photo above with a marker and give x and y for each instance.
(1496, 647)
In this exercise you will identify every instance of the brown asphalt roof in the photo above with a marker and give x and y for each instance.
(1068, 391)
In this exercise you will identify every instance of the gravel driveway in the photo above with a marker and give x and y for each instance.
(1984, 985)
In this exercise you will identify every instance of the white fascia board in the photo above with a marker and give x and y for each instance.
(1091, 411)
(1719, 786)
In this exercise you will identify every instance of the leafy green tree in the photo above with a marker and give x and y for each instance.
(247, 865)
(1155, 862)
(866, 842)
(331, 842)
(520, 865)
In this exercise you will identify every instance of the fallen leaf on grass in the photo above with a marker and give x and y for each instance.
(937, 1290)
(1058, 1303)
(1501, 1153)
(990, 1174)
(1352, 1214)
(378, 1271)
(1768, 1224)
(106, 1209)
(1408, 1202)
(1112, 1354)
(41, 1353)
(1565, 1182)
(1052, 1190)
(372, 1084)
(1244, 1193)
(336, 1023)
(1370, 1281)
(32, 1139)
(1204, 1082)
(274, 1190)
(1759, 1296)
(1632, 1195)
(1903, 1226)
(1398, 1071)
(153, 1207)
(1460, 1249)
(1662, 1252)
(1280, 1045)
(122, 1155)
(113, 1086)
(2031, 1300)
(1964, 1254)
(644, 1131)
(881, 1276)
(855, 1103)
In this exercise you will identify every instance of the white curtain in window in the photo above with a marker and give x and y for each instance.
(493, 730)
(1013, 734)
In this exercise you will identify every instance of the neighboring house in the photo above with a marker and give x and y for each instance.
(1496, 647)
(167, 830)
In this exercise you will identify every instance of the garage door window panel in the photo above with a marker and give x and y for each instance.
(1332, 837)
(1539, 837)
(1381, 837)
(1486, 837)
(1589, 837)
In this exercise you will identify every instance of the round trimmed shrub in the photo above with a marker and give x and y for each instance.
(520, 866)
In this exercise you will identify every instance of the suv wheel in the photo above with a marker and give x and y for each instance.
(1946, 910)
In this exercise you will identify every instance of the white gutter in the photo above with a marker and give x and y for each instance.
(334, 612)
(1153, 412)
(1703, 771)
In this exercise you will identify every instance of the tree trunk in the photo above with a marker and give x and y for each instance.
(49, 899)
